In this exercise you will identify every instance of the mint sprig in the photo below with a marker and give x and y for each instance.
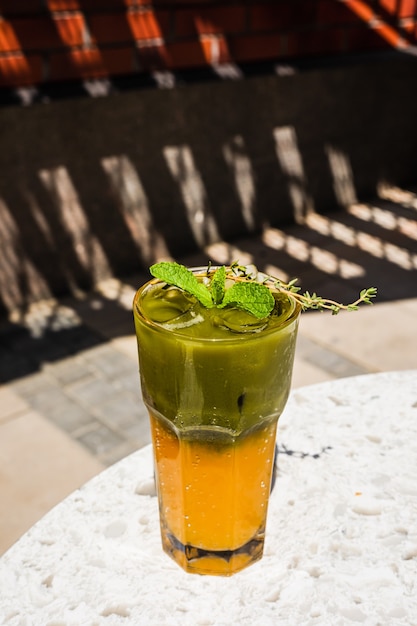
(250, 290)
(252, 297)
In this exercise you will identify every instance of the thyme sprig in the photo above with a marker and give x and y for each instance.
(307, 300)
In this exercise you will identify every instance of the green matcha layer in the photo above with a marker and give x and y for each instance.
(213, 366)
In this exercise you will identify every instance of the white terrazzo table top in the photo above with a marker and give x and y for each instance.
(341, 542)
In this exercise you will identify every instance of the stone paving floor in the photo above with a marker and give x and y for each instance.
(70, 402)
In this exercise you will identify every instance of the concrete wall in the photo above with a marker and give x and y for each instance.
(94, 187)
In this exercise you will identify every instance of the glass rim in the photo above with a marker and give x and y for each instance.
(293, 315)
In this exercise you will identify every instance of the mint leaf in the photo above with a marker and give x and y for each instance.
(179, 276)
(218, 285)
(251, 297)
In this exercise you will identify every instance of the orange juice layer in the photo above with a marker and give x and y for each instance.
(212, 495)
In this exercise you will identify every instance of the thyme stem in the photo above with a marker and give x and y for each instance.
(306, 299)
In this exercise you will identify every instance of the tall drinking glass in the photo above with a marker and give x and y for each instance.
(215, 382)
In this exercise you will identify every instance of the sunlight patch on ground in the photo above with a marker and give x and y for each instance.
(385, 219)
(395, 194)
(299, 249)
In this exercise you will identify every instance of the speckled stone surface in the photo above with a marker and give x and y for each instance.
(341, 542)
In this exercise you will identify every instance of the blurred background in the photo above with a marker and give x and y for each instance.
(279, 133)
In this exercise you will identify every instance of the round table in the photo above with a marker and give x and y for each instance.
(341, 543)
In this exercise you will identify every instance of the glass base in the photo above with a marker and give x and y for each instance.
(213, 562)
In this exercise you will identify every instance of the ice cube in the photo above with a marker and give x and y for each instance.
(238, 321)
(184, 320)
(168, 304)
